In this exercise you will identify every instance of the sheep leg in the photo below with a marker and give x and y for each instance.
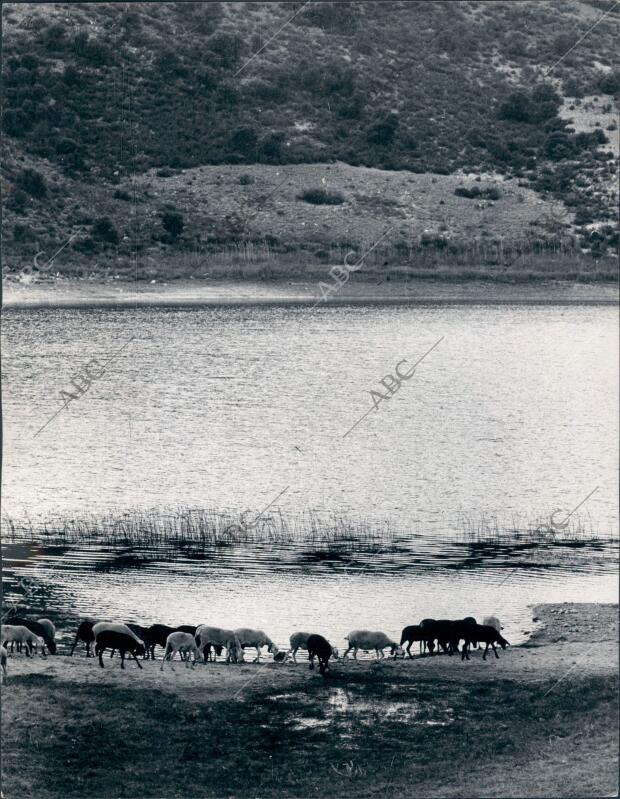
(99, 651)
(311, 659)
(74, 645)
(122, 658)
(409, 649)
(161, 668)
(495, 650)
(257, 658)
(133, 655)
(355, 654)
(486, 649)
(293, 651)
(344, 657)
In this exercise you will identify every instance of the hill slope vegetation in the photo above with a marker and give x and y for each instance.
(101, 100)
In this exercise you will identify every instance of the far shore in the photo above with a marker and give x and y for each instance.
(122, 293)
(540, 721)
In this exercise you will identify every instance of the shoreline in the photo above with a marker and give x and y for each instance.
(190, 293)
(544, 716)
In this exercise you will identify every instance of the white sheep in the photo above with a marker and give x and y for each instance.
(183, 643)
(298, 641)
(492, 621)
(21, 635)
(217, 636)
(3, 658)
(256, 638)
(367, 640)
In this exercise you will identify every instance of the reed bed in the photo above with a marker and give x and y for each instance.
(486, 528)
(200, 528)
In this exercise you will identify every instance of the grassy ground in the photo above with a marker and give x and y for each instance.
(431, 727)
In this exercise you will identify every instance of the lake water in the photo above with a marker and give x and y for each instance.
(513, 414)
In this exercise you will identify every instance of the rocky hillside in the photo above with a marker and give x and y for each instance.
(160, 130)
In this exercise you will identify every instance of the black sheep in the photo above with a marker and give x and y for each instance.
(321, 648)
(489, 636)
(84, 633)
(109, 639)
(411, 634)
(37, 629)
(156, 634)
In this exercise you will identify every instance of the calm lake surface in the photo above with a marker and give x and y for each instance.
(514, 414)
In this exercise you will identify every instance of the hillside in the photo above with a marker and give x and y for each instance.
(185, 138)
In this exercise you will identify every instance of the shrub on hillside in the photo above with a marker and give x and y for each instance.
(22, 233)
(227, 46)
(173, 224)
(539, 105)
(610, 83)
(104, 230)
(244, 141)
(32, 182)
(475, 192)
(382, 132)
(270, 146)
(54, 37)
(17, 202)
(341, 17)
(321, 197)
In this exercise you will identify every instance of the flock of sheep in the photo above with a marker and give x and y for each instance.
(192, 642)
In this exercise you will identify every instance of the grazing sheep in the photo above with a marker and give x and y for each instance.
(3, 658)
(180, 642)
(49, 628)
(367, 640)
(156, 635)
(488, 635)
(217, 636)
(40, 630)
(84, 633)
(116, 627)
(449, 634)
(113, 639)
(411, 634)
(256, 638)
(187, 628)
(298, 641)
(19, 634)
(471, 620)
(321, 648)
(492, 621)
(428, 641)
